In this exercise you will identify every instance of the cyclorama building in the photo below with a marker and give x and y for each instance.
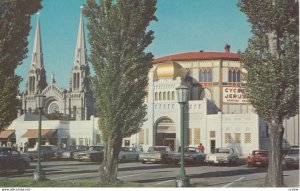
(217, 114)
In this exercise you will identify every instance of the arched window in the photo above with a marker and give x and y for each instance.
(205, 75)
(155, 96)
(164, 96)
(173, 95)
(168, 96)
(234, 75)
(159, 96)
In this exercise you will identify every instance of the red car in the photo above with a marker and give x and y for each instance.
(257, 158)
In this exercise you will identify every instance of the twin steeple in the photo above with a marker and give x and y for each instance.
(80, 70)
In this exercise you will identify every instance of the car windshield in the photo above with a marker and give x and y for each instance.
(96, 148)
(293, 152)
(222, 151)
(151, 149)
(263, 153)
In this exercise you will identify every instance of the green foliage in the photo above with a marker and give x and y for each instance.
(272, 82)
(14, 29)
(118, 39)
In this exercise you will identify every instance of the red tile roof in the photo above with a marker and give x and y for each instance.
(45, 133)
(6, 133)
(198, 56)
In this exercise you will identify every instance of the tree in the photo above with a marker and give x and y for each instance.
(118, 38)
(272, 64)
(14, 29)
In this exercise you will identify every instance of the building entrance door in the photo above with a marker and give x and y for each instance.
(170, 142)
(165, 133)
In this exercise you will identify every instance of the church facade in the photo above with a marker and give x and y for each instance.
(76, 101)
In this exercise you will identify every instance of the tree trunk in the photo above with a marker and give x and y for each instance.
(109, 167)
(274, 177)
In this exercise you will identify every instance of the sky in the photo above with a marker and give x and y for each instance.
(182, 26)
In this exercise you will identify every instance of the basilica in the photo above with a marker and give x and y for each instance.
(77, 100)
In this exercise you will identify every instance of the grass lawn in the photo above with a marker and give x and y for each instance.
(5, 182)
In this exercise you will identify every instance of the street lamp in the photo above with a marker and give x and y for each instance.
(182, 97)
(39, 174)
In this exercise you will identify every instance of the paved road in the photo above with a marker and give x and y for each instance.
(152, 175)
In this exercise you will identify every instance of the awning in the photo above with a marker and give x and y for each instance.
(46, 133)
(6, 134)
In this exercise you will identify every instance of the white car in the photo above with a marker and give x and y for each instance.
(128, 153)
(222, 156)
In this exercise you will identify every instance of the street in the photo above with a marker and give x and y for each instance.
(162, 175)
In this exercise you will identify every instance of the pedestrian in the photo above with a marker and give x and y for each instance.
(201, 148)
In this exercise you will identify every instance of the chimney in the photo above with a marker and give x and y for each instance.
(227, 48)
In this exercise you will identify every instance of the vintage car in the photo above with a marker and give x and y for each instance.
(257, 158)
(156, 154)
(292, 157)
(191, 155)
(94, 153)
(222, 156)
(11, 159)
(47, 152)
(67, 152)
(128, 153)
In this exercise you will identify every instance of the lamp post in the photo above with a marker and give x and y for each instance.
(39, 174)
(182, 97)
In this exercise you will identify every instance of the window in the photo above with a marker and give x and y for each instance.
(196, 136)
(247, 137)
(228, 138)
(173, 95)
(238, 138)
(234, 75)
(168, 96)
(164, 96)
(212, 134)
(159, 96)
(205, 75)
(190, 137)
(155, 95)
(141, 137)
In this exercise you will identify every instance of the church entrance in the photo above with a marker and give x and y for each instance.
(166, 133)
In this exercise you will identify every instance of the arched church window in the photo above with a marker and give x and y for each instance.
(164, 96)
(159, 96)
(155, 95)
(168, 96)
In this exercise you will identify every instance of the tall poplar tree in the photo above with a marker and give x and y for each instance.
(118, 37)
(14, 29)
(272, 64)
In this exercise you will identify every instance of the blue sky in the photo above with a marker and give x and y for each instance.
(182, 26)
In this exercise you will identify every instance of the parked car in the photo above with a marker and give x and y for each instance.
(222, 156)
(156, 154)
(191, 155)
(257, 158)
(128, 153)
(47, 152)
(11, 159)
(67, 152)
(94, 153)
(292, 157)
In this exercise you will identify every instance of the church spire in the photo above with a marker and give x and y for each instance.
(37, 74)
(37, 54)
(80, 50)
(80, 70)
